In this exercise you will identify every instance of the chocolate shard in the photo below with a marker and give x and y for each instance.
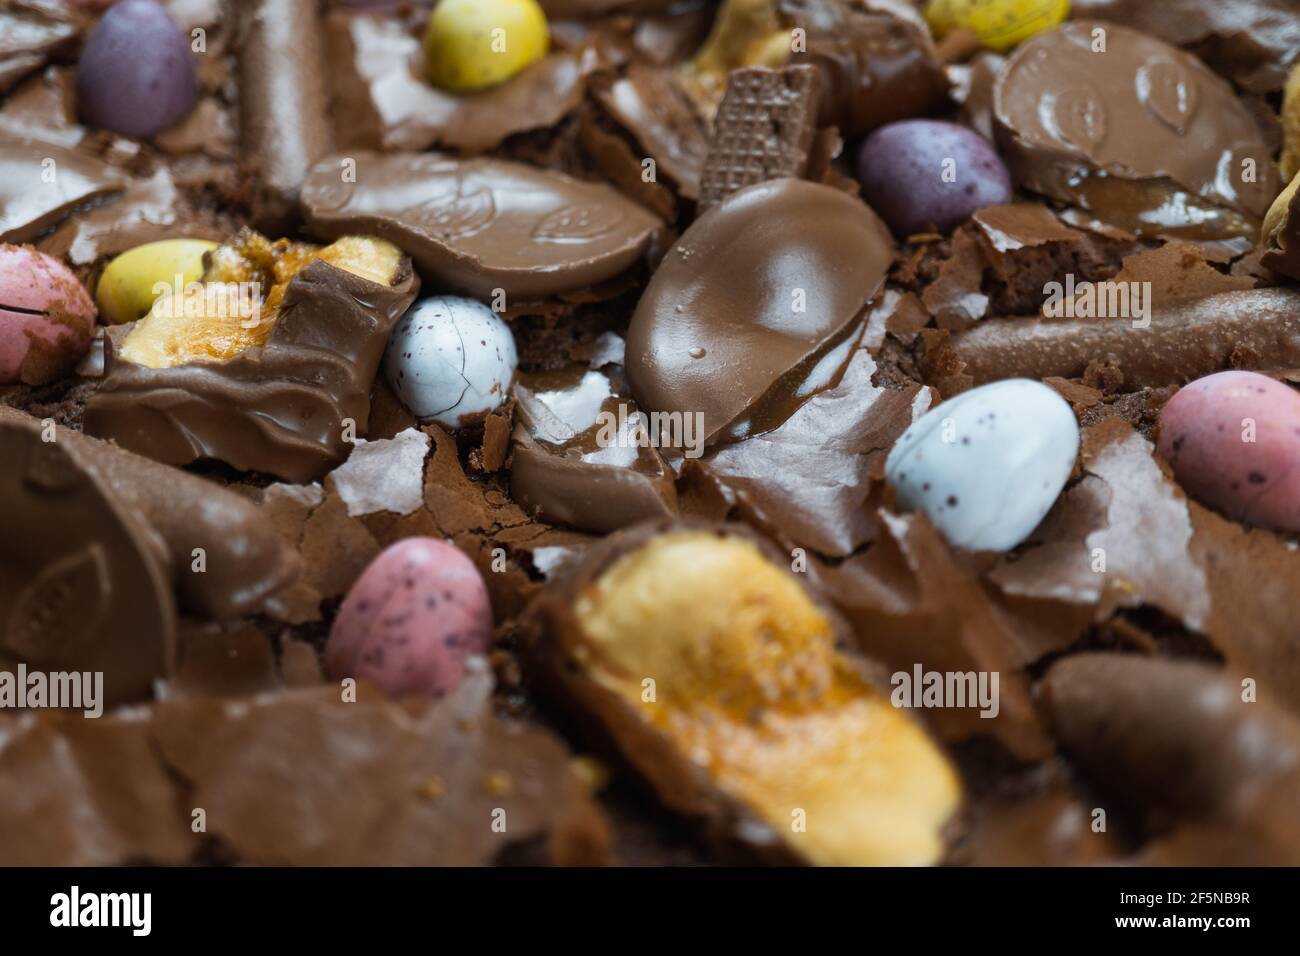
(279, 408)
(1101, 115)
(750, 301)
(1257, 329)
(578, 457)
(284, 105)
(478, 225)
(40, 183)
(243, 561)
(30, 31)
(764, 130)
(877, 59)
(82, 580)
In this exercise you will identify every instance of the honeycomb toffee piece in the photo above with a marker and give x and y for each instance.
(764, 130)
(1258, 328)
(582, 456)
(81, 585)
(478, 225)
(278, 383)
(243, 560)
(284, 103)
(708, 668)
(754, 304)
(1134, 130)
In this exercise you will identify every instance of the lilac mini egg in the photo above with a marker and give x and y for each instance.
(410, 621)
(924, 174)
(136, 75)
(1233, 440)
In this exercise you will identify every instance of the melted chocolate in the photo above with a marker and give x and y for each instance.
(765, 284)
(279, 408)
(479, 225)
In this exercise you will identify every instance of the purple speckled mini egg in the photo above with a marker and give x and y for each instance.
(921, 174)
(411, 620)
(1233, 439)
(136, 75)
(47, 319)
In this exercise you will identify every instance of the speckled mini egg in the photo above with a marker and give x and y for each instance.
(47, 320)
(1233, 439)
(410, 621)
(451, 360)
(987, 465)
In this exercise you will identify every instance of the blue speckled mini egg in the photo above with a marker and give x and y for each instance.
(987, 465)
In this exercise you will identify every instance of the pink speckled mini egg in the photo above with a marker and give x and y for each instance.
(1233, 439)
(47, 318)
(412, 618)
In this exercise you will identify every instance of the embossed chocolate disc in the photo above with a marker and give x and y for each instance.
(80, 587)
(478, 225)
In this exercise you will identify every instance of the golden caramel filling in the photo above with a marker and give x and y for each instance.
(725, 653)
(745, 33)
(238, 301)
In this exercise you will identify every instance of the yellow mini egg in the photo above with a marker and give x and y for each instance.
(1000, 24)
(131, 283)
(472, 45)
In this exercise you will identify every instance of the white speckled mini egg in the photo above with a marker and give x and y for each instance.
(987, 465)
(451, 360)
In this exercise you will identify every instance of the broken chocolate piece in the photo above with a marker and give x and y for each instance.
(755, 305)
(82, 586)
(583, 457)
(1281, 233)
(29, 33)
(282, 407)
(764, 130)
(479, 225)
(283, 102)
(1257, 329)
(1096, 113)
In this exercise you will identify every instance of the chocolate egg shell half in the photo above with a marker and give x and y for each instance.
(1069, 111)
(478, 225)
(758, 287)
(701, 660)
(82, 586)
(279, 408)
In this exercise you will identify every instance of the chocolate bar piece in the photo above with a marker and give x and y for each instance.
(764, 130)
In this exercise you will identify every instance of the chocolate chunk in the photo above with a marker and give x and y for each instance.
(1079, 122)
(82, 586)
(280, 407)
(243, 560)
(877, 60)
(764, 130)
(40, 183)
(478, 225)
(1177, 735)
(752, 296)
(283, 103)
(578, 457)
(1184, 341)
